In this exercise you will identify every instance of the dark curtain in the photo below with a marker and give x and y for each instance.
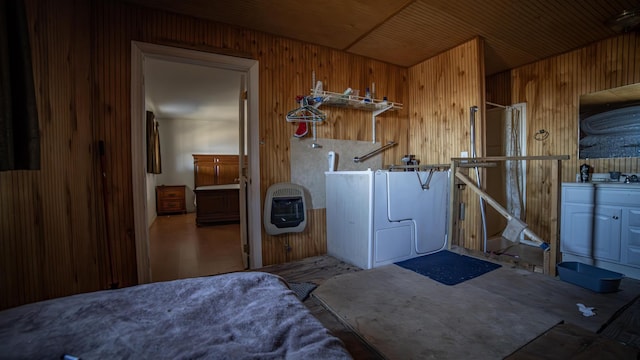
(19, 131)
(154, 164)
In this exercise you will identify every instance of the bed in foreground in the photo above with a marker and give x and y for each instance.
(243, 315)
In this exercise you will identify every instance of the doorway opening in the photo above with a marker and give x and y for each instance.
(506, 135)
(248, 176)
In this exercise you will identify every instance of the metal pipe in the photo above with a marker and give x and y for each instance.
(374, 152)
(501, 210)
(424, 167)
(472, 139)
(496, 105)
(473, 110)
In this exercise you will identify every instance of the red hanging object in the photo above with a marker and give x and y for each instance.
(302, 130)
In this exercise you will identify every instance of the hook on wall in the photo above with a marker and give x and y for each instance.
(541, 134)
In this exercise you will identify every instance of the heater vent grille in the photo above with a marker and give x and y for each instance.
(285, 209)
(287, 192)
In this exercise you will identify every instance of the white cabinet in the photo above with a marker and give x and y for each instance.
(589, 230)
(631, 236)
(349, 216)
(601, 223)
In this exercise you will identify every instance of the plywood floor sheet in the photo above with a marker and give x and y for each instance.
(408, 316)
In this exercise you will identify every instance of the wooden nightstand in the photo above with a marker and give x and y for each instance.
(170, 199)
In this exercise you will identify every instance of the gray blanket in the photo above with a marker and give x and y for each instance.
(244, 315)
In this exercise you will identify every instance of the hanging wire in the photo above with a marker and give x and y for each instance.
(541, 135)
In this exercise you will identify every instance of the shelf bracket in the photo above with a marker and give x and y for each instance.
(373, 120)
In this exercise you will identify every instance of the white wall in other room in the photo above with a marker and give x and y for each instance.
(180, 139)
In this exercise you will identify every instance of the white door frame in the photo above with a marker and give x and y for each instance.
(140, 51)
(242, 151)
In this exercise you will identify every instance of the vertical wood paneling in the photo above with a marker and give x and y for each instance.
(286, 68)
(54, 239)
(552, 89)
(49, 239)
(441, 93)
(498, 88)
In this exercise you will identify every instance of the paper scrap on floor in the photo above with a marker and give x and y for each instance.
(585, 310)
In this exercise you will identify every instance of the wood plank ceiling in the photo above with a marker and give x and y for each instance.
(407, 32)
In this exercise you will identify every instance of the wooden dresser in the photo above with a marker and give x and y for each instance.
(170, 199)
(217, 204)
(217, 188)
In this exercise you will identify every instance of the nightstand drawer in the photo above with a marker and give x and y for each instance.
(172, 193)
(171, 205)
(170, 199)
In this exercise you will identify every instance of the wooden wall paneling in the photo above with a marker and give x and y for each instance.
(81, 170)
(55, 247)
(101, 258)
(394, 125)
(552, 89)
(127, 258)
(275, 152)
(47, 136)
(634, 59)
(11, 211)
(111, 130)
(337, 71)
(498, 89)
(118, 27)
(46, 145)
(441, 92)
(497, 92)
(99, 61)
(49, 235)
(82, 73)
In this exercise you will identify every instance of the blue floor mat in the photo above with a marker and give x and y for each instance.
(447, 267)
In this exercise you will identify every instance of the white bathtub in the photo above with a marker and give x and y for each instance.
(379, 217)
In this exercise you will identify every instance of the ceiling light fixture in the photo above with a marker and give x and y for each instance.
(625, 21)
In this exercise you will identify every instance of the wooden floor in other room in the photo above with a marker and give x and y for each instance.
(179, 249)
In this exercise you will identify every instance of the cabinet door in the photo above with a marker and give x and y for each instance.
(631, 237)
(607, 227)
(591, 232)
(228, 173)
(576, 231)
